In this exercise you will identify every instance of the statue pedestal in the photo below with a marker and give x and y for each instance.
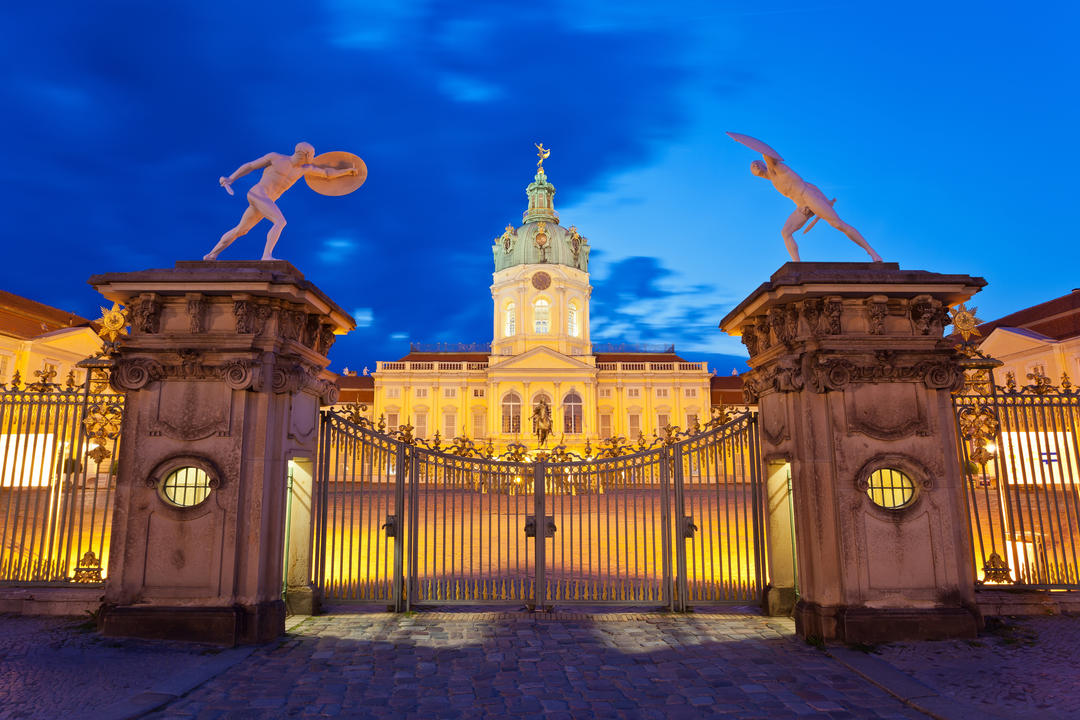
(223, 376)
(853, 380)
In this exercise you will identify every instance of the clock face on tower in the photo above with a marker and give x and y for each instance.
(541, 281)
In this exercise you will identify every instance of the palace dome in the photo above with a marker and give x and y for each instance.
(541, 239)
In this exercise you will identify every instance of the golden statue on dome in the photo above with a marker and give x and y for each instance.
(543, 153)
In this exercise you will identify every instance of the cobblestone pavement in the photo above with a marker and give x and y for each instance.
(499, 665)
(1018, 668)
(471, 664)
(58, 667)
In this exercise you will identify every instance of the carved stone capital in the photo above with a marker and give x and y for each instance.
(134, 374)
(146, 314)
(244, 310)
(877, 309)
(928, 314)
(196, 311)
(239, 374)
(750, 338)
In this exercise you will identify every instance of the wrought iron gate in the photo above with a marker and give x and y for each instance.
(1019, 455)
(58, 445)
(404, 522)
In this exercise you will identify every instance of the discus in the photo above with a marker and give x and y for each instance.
(337, 160)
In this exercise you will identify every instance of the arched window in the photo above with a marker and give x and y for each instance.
(511, 413)
(572, 319)
(509, 320)
(541, 316)
(572, 413)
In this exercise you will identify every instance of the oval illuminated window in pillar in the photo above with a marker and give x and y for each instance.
(890, 488)
(186, 487)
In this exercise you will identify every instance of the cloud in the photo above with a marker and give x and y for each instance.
(364, 317)
(336, 249)
(639, 300)
(399, 336)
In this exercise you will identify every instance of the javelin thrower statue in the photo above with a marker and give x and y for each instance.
(808, 198)
(332, 173)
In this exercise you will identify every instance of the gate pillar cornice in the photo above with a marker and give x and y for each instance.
(223, 375)
(853, 378)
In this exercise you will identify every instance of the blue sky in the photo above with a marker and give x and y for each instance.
(947, 131)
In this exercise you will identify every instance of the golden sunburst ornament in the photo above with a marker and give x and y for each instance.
(965, 322)
(113, 323)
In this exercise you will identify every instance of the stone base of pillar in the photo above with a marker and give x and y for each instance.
(303, 600)
(779, 601)
(874, 625)
(229, 626)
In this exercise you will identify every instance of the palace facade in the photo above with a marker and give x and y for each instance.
(540, 349)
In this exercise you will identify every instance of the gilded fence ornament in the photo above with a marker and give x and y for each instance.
(355, 413)
(978, 425)
(1040, 384)
(965, 322)
(88, 569)
(114, 322)
(996, 570)
(102, 424)
(44, 381)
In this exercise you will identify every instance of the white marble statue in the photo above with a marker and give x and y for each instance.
(281, 173)
(808, 198)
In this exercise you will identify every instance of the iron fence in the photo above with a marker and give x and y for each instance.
(58, 446)
(403, 522)
(1019, 454)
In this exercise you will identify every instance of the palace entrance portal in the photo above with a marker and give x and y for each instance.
(402, 522)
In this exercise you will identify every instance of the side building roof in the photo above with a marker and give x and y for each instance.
(1058, 319)
(726, 390)
(24, 318)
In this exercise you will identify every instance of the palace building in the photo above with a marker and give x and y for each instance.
(540, 349)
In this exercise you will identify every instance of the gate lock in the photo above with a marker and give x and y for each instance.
(689, 528)
(549, 526)
(390, 526)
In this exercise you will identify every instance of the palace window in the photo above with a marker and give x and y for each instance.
(420, 429)
(391, 421)
(661, 392)
(478, 392)
(541, 316)
(509, 320)
(572, 413)
(605, 392)
(449, 426)
(393, 393)
(691, 392)
(662, 420)
(511, 413)
(572, 319)
(605, 425)
(421, 392)
(691, 418)
(449, 392)
(633, 427)
(479, 423)
(5, 363)
(633, 392)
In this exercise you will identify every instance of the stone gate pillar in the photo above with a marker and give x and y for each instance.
(853, 379)
(223, 376)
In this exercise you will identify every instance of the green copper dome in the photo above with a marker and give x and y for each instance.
(541, 239)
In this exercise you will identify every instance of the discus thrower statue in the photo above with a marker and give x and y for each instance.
(808, 198)
(332, 173)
